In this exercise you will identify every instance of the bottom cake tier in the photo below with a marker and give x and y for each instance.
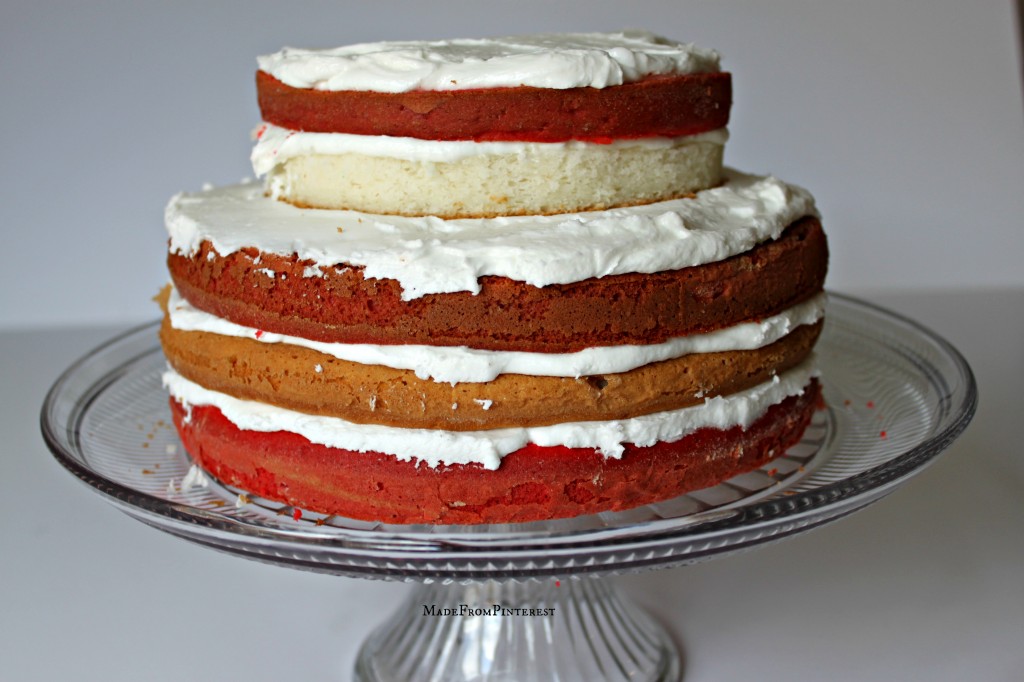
(533, 482)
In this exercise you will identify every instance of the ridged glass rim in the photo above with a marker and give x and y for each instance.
(704, 533)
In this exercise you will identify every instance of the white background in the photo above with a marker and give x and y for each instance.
(904, 118)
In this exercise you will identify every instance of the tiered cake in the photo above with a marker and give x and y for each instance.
(492, 281)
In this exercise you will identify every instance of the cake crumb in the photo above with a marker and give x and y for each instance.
(341, 230)
(195, 478)
(242, 500)
(484, 404)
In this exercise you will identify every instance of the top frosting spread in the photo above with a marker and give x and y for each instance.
(556, 61)
(428, 255)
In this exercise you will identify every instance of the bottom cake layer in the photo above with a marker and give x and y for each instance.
(532, 483)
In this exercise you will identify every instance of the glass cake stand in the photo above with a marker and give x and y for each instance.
(507, 602)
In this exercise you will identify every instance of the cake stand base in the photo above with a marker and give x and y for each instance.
(504, 631)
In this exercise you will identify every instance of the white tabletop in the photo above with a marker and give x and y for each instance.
(925, 585)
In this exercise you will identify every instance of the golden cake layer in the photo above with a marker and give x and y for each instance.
(312, 382)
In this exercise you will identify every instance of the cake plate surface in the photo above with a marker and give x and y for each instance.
(507, 602)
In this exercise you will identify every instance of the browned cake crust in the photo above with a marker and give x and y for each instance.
(661, 105)
(343, 306)
(307, 381)
(532, 483)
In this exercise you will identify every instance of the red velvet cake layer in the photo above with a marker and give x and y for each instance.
(344, 307)
(666, 106)
(532, 483)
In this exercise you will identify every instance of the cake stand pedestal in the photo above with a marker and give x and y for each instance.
(550, 630)
(514, 601)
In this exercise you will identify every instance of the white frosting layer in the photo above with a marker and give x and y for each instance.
(557, 61)
(429, 255)
(435, 447)
(461, 364)
(275, 145)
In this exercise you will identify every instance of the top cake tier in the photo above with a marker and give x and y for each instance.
(485, 128)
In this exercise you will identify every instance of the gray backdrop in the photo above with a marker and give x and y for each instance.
(903, 118)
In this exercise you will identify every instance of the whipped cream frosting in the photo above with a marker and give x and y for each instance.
(557, 61)
(438, 447)
(275, 145)
(428, 255)
(461, 364)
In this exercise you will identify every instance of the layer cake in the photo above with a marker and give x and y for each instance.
(490, 281)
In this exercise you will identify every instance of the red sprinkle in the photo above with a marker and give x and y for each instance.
(259, 333)
(558, 583)
(262, 129)
(871, 404)
(297, 514)
(883, 434)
